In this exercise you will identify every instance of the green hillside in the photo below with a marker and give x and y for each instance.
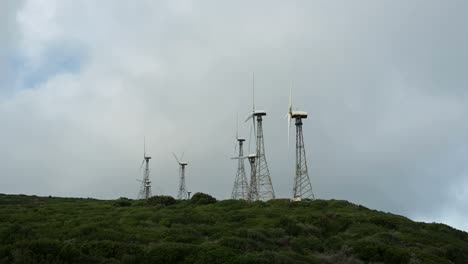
(66, 230)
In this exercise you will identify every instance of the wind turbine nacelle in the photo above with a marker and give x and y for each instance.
(183, 164)
(241, 139)
(260, 113)
(296, 199)
(299, 114)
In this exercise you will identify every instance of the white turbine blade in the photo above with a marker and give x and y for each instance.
(252, 115)
(253, 91)
(237, 158)
(142, 162)
(237, 133)
(255, 131)
(237, 127)
(250, 137)
(290, 101)
(289, 131)
(289, 115)
(176, 157)
(253, 105)
(249, 117)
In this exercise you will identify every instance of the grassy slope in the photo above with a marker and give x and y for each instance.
(61, 230)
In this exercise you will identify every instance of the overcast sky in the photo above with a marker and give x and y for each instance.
(385, 84)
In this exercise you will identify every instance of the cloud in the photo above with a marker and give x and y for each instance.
(383, 83)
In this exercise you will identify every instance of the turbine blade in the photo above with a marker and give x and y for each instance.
(237, 133)
(289, 131)
(249, 117)
(176, 157)
(252, 115)
(290, 94)
(142, 162)
(290, 100)
(253, 112)
(253, 91)
(237, 126)
(255, 132)
(250, 137)
(237, 158)
(289, 116)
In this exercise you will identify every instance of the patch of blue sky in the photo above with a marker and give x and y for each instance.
(56, 59)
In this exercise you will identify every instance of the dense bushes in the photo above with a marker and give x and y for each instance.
(122, 202)
(161, 200)
(202, 198)
(162, 230)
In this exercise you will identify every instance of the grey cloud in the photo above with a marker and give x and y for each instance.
(383, 83)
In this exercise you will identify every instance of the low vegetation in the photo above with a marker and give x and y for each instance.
(203, 230)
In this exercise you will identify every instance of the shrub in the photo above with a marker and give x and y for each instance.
(290, 226)
(169, 253)
(299, 244)
(213, 253)
(123, 202)
(456, 255)
(74, 230)
(232, 204)
(182, 235)
(202, 198)
(162, 200)
(265, 257)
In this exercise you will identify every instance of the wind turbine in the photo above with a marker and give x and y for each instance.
(302, 187)
(240, 191)
(145, 190)
(262, 173)
(183, 194)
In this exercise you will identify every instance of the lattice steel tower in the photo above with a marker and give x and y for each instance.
(182, 194)
(302, 188)
(263, 184)
(145, 190)
(240, 191)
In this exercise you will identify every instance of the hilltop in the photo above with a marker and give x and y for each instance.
(69, 230)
